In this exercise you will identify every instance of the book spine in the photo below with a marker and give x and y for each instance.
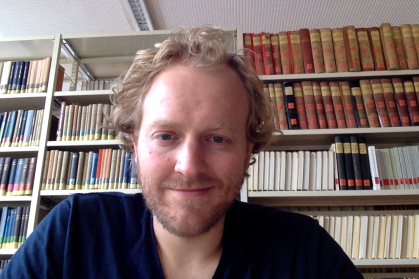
(23, 177)
(359, 107)
(299, 103)
(4, 82)
(5, 175)
(285, 53)
(351, 48)
(390, 54)
(31, 174)
(367, 61)
(80, 167)
(248, 52)
(310, 105)
(28, 127)
(338, 104)
(340, 163)
(380, 104)
(401, 101)
(369, 103)
(328, 105)
(409, 46)
(257, 50)
(25, 77)
(125, 173)
(356, 163)
(398, 45)
(349, 164)
(347, 103)
(73, 170)
(317, 51)
(290, 106)
(328, 51)
(294, 42)
(412, 102)
(267, 54)
(339, 48)
(390, 101)
(270, 92)
(93, 169)
(306, 50)
(376, 48)
(318, 100)
(280, 103)
(365, 166)
(12, 176)
(276, 54)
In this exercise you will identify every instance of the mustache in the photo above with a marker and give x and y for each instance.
(182, 182)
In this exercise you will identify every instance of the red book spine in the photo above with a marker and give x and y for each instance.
(401, 101)
(348, 107)
(328, 105)
(412, 102)
(369, 103)
(390, 100)
(318, 99)
(299, 103)
(306, 51)
(267, 54)
(380, 103)
(338, 104)
(248, 48)
(276, 54)
(257, 49)
(310, 105)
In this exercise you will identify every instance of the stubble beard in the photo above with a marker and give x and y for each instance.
(199, 215)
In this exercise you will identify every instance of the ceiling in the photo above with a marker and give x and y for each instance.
(46, 17)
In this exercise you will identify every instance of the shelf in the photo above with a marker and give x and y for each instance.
(339, 76)
(15, 198)
(22, 101)
(19, 152)
(321, 139)
(85, 97)
(335, 198)
(30, 48)
(7, 252)
(88, 145)
(66, 193)
(386, 263)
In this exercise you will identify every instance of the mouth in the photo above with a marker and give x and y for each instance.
(191, 192)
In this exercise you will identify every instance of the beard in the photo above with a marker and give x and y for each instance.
(190, 218)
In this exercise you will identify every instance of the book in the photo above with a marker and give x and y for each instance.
(349, 164)
(296, 57)
(23, 177)
(12, 176)
(290, 106)
(267, 53)
(5, 175)
(369, 103)
(351, 47)
(356, 159)
(317, 51)
(409, 46)
(401, 103)
(280, 103)
(310, 105)
(411, 101)
(328, 51)
(365, 54)
(364, 162)
(389, 48)
(338, 104)
(270, 92)
(398, 45)
(347, 103)
(306, 51)
(376, 48)
(30, 177)
(328, 105)
(285, 53)
(320, 110)
(340, 163)
(380, 104)
(28, 127)
(276, 54)
(339, 48)
(300, 106)
(257, 52)
(358, 104)
(4, 81)
(391, 103)
(248, 50)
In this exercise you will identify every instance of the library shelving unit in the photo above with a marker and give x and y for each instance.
(30, 48)
(321, 139)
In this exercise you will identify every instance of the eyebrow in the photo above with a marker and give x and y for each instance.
(168, 123)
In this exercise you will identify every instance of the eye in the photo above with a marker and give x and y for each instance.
(165, 137)
(217, 139)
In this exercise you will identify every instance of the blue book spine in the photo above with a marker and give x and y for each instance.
(11, 76)
(28, 127)
(15, 80)
(4, 212)
(25, 77)
(2, 159)
(11, 177)
(11, 228)
(6, 228)
(4, 124)
(92, 177)
(19, 77)
(20, 125)
(133, 172)
(5, 176)
(18, 174)
(10, 128)
(125, 176)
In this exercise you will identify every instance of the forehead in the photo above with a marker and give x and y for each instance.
(183, 91)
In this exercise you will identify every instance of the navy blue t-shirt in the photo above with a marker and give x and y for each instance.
(111, 236)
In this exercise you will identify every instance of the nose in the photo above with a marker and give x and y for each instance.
(190, 159)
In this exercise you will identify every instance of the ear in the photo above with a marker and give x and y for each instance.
(249, 149)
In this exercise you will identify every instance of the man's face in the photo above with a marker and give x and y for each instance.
(192, 151)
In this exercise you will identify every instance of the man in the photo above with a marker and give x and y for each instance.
(193, 114)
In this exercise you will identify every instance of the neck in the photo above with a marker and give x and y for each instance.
(182, 257)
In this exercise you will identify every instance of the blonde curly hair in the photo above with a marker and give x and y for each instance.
(202, 47)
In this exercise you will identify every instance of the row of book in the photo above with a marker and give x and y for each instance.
(396, 167)
(20, 128)
(390, 272)
(13, 226)
(24, 76)
(81, 123)
(330, 50)
(105, 169)
(98, 84)
(3, 263)
(389, 236)
(365, 103)
(389, 207)
(16, 176)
